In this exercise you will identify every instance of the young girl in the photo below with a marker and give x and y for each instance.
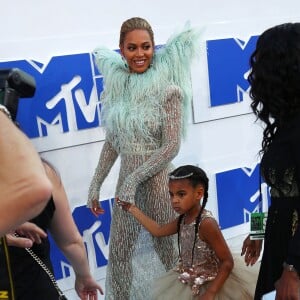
(205, 261)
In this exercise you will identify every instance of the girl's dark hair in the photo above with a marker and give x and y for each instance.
(274, 78)
(196, 176)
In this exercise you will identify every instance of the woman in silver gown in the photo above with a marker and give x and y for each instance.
(146, 96)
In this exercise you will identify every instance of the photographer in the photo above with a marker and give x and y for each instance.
(25, 188)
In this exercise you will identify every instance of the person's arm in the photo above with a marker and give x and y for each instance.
(25, 188)
(107, 158)
(210, 232)
(152, 226)
(69, 240)
(170, 145)
(287, 287)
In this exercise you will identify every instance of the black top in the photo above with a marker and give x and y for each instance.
(29, 279)
(280, 167)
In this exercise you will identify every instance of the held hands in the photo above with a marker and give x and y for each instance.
(251, 249)
(124, 205)
(96, 208)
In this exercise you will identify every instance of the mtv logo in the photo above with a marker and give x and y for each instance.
(95, 234)
(66, 100)
(239, 194)
(228, 67)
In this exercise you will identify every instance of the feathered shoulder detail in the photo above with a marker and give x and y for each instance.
(177, 56)
(171, 65)
(108, 61)
(180, 50)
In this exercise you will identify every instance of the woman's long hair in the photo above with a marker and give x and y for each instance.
(275, 78)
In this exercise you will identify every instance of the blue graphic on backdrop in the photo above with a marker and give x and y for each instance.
(228, 65)
(239, 195)
(68, 87)
(95, 234)
(67, 93)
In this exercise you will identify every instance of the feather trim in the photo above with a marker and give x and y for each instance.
(133, 101)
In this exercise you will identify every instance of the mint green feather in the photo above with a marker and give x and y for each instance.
(132, 101)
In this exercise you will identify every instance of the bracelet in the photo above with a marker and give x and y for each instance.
(289, 268)
(5, 110)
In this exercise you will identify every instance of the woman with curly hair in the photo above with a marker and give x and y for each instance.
(275, 94)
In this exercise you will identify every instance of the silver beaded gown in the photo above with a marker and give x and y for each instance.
(144, 117)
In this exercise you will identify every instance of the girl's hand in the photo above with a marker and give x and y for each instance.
(96, 208)
(124, 205)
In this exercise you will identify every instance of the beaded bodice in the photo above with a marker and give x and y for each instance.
(205, 264)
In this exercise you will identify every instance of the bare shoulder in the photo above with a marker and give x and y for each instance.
(208, 225)
(207, 218)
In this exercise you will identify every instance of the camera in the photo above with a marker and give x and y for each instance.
(15, 84)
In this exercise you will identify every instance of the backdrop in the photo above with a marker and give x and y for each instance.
(53, 41)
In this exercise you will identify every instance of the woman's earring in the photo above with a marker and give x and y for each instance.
(125, 62)
(151, 64)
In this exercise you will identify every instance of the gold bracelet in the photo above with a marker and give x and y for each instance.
(5, 110)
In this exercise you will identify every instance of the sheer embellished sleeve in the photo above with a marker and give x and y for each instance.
(107, 158)
(293, 256)
(171, 140)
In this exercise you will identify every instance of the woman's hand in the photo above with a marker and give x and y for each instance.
(251, 249)
(27, 234)
(96, 208)
(124, 205)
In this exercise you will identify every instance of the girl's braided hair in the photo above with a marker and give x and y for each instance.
(196, 176)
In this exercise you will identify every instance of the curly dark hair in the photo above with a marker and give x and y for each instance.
(275, 78)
